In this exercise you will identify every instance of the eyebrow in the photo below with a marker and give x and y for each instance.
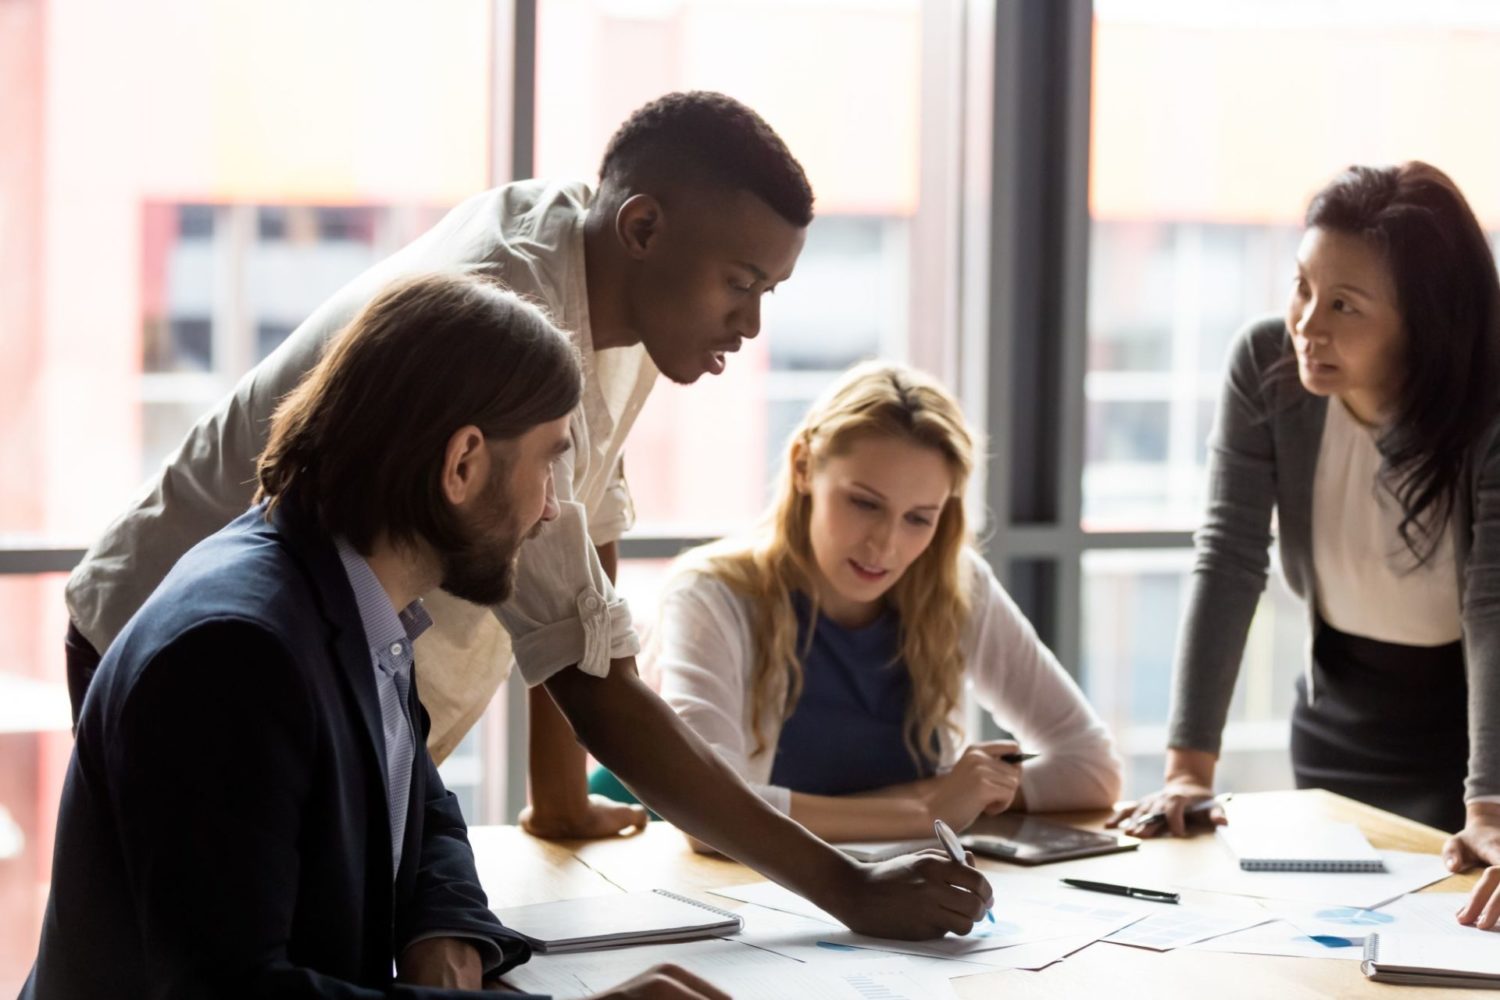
(871, 489)
(1302, 273)
(759, 274)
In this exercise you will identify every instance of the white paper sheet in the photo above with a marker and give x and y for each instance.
(1436, 913)
(1159, 926)
(743, 972)
(1405, 872)
(1028, 908)
(771, 895)
(1282, 938)
(1015, 922)
(1179, 926)
(803, 939)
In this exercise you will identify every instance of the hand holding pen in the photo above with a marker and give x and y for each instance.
(949, 840)
(984, 781)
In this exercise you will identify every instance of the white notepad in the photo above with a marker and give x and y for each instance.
(1321, 847)
(617, 919)
(1432, 960)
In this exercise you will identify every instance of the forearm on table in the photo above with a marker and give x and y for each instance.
(1189, 766)
(637, 736)
(557, 765)
(897, 813)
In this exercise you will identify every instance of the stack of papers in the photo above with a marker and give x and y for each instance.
(744, 972)
(1037, 921)
(789, 947)
(1340, 932)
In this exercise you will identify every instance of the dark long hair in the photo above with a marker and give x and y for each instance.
(1449, 297)
(358, 447)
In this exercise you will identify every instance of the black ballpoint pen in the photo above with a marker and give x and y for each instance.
(1153, 895)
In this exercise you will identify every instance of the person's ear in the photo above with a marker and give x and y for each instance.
(639, 224)
(466, 465)
(801, 459)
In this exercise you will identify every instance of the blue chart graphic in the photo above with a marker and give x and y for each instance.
(1329, 941)
(1355, 917)
(985, 929)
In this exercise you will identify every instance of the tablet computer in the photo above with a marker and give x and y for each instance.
(1027, 840)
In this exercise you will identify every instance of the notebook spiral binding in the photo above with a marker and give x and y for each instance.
(727, 914)
(1312, 866)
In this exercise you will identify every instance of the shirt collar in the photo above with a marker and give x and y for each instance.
(383, 626)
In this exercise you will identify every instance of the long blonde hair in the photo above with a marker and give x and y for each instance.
(874, 399)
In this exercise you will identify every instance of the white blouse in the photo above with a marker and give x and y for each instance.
(1368, 583)
(704, 648)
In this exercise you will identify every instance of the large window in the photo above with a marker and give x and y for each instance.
(699, 457)
(180, 185)
(1203, 159)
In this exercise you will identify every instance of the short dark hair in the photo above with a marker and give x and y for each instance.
(1449, 296)
(357, 448)
(707, 137)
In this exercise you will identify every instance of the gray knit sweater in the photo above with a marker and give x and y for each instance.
(1263, 453)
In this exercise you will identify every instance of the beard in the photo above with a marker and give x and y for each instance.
(482, 568)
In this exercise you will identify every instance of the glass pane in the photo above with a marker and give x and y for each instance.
(1132, 606)
(35, 742)
(183, 184)
(1199, 183)
(851, 115)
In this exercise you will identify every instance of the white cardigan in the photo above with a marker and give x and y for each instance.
(704, 649)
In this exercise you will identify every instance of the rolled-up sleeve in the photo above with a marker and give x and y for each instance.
(564, 610)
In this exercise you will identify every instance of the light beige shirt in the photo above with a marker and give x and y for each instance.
(530, 236)
(1368, 582)
(705, 649)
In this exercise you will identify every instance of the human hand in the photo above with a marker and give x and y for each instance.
(1185, 794)
(600, 817)
(446, 962)
(914, 897)
(979, 783)
(1482, 910)
(1478, 843)
(663, 982)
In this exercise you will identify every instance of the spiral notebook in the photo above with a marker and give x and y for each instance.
(619, 919)
(1420, 959)
(1321, 847)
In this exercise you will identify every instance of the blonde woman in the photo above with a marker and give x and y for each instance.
(827, 659)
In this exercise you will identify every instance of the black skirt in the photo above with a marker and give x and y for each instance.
(1389, 727)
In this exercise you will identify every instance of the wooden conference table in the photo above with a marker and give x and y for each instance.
(516, 868)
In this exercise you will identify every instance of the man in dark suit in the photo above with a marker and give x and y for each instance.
(250, 809)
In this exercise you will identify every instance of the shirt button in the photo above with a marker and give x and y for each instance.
(395, 649)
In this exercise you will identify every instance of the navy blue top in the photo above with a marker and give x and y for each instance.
(844, 734)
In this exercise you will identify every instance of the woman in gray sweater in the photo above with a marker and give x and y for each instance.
(1368, 421)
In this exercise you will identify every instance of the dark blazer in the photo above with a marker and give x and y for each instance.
(224, 827)
(1263, 457)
